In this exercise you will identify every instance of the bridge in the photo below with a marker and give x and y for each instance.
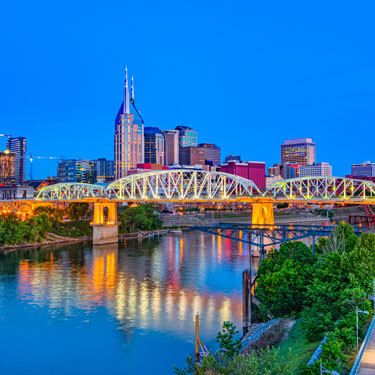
(184, 186)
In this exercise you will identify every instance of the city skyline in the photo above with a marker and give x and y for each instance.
(288, 83)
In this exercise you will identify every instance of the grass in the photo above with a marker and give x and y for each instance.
(298, 348)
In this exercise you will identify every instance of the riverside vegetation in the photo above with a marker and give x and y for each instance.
(321, 291)
(74, 222)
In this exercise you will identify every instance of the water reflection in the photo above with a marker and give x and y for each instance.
(151, 292)
(156, 285)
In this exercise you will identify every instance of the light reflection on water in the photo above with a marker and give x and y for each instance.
(148, 292)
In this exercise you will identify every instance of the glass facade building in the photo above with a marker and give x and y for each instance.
(188, 137)
(154, 145)
(316, 169)
(17, 146)
(365, 169)
(76, 170)
(104, 169)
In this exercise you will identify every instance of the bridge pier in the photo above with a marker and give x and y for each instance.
(263, 213)
(105, 225)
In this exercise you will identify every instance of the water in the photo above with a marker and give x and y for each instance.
(116, 310)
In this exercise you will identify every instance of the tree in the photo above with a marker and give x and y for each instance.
(142, 217)
(79, 211)
(226, 339)
(283, 279)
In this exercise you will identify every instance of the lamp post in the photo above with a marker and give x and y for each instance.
(357, 312)
(323, 370)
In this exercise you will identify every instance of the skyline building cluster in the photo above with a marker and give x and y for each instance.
(137, 147)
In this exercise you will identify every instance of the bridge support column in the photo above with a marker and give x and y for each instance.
(263, 213)
(105, 226)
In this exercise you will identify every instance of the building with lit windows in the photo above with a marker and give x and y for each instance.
(212, 153)
(192, 156)
(252, 170)
(233, 158)
(128, 138)
(7, 176)
(17, 146)
(171, 147)
(316, 169)
(76, 170)
(365, 169)
(154, 145)
(298, 151)
(188, 137)
(104, 169)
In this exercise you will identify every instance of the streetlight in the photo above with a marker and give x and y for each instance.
(323, 370)
(358, 311)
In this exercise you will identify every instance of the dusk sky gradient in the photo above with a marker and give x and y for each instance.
(245, 74)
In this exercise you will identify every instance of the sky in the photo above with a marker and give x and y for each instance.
(245, 74)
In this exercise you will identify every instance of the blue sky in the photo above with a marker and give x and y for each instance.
(246, 74)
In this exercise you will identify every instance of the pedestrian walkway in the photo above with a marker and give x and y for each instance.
(367, 366)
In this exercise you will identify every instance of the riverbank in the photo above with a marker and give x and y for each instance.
(51, 239)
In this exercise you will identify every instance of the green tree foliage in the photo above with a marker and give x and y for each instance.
(324, 290)
(79, 211)
(14, 231)
(226, 339)
(53, 213)
(228, 361)
(283, 279)
(142, 217)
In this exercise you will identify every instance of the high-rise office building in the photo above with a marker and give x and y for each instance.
(365, 169)
(316, 169)
(300, 151)
(128, 139)
(171, 147)
(17, 146)
(105, 170)
(76, 170)
(154, 145)
(212, 153)
(7, 176)
(188, 137)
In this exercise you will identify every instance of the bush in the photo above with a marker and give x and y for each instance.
(142, 217)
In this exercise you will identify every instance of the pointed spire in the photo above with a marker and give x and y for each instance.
(126, 93)
(132, 90)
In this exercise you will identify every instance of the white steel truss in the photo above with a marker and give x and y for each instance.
(71, 191)
(322, 189)
(182, 184)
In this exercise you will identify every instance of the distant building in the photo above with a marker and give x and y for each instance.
(252, 170)
(275, 170)
(16, 192)
(316, 169)
(187, 137)
(298, 151)
(233, 158)
(75, 170)
(104, 169)
(192, 156)
(128, 138)
(17, 146)
(365, 169)
(272, 179)
(290, 170)
(7, 176)
(212, 153)
(154, 145)
(171, 147)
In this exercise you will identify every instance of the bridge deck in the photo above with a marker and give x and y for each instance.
(367, 366)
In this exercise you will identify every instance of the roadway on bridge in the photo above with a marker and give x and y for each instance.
(367, 366)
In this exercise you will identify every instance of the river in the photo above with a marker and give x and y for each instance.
(125, 309)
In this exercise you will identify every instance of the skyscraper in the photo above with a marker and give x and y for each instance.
(128, 139)
(154, 145)
(7, 168)
(300, 151)
(104, 170)
(171, 147)
(17, 146)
